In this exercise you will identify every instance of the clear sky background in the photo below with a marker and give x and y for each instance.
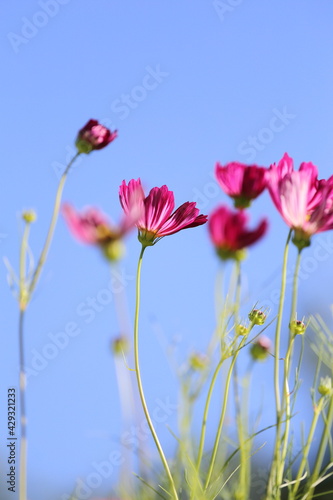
(186, 84)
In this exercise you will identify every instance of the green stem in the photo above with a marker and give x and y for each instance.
(287, 365)
(322, 449)
(221, 421)
(272, 478)
(53, 222)
(23, 418)
(22, 272)
(205, 415)
(295, 291)
(138, 377)
(25, 292)
(317, 412)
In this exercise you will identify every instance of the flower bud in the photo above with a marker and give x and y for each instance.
(198, 361)
(260, 349)
(257, 317)
(29, 216)
(242, 330)
(325, 386)
(114, 250)
(94, 136)
(297, 327)
(120, 345)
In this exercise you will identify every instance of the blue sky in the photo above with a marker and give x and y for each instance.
(186, 84)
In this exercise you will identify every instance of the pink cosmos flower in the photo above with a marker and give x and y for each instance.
(305, 203)
(229, 233)
(94, 136)
(93, 227)
(241, 182)
(158, 217)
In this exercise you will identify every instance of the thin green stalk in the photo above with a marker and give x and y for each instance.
(322, 449)
(238, 292)
(244, 462)
(287, 366)
(221, 421)
(25, 292)
(138, 377)
(286, 396)
(23, 418)
(295, 291)
(273, 475)
(53, 222)
(317, 412)
(205, 415)
(220, 327)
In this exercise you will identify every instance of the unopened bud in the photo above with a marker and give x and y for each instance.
(257, 317)
(297, 327)
(325, 386)
(198, 361)
(120, 345)
(242, 330)
(114, 250)
(260, 349)
(29, 216)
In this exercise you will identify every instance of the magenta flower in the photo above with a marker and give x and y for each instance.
(305, 203)
(93, 227)
(157, 217)
(229, 233)
(94, 136)
(241, 182)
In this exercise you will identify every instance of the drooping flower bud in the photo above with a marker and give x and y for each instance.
(94, 136)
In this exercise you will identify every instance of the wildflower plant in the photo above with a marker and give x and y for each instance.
(221, 469)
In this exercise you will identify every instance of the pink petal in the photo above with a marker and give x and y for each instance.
(159, 205)
(184, 217)
(83, 226)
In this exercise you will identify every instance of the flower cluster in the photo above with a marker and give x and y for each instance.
(304, 201)
(228, 229)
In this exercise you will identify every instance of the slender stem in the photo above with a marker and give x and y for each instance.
(321, 452)
(25, 292)
(238, 292)
(138, 377)
(272, 478)
(221, 421)
(205, 415)
(287, 366)
(124, 380)
(23, 418)
(22, 272)
(295, 290)
(317, 412)
(244, 468)
(53, 222)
